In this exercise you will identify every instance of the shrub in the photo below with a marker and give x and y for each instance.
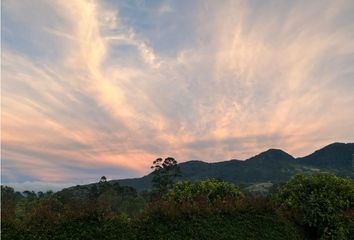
(212, 190)
(319, 202)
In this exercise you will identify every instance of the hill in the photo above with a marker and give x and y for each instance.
(271, 166)
(335, 155)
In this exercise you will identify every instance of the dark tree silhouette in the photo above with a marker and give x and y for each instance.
(103, 179)
(164, 174)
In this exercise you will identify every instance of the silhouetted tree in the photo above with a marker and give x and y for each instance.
(30, 195)
(164, 174)
(40, 194)
(103, 179)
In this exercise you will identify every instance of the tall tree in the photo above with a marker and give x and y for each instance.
(164, 174)
(103, 179)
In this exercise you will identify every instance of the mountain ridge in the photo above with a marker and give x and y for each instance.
(272, 165)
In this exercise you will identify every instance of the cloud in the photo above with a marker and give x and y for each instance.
(96, 85)
(38, 186)
(165, 8)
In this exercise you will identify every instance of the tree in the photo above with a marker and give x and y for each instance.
(30, 195)
(320, 202)
(164, 174)
(9, 199)
(103, 179)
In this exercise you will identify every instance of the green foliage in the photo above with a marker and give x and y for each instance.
(121, 202)
(209, 209)
(225, 215)
(224, 219)
(164, 174)
(218, 226)
(320, 202)
(9, 199)
(211, 190)
(116, 198)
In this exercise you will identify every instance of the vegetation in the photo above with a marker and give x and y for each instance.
(164, 174)
(322, 202)
(113, 196)
(318, 206)
(210, 190)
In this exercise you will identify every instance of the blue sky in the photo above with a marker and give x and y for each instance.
(92, 88)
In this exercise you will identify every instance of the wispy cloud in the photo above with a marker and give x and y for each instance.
(109, 86)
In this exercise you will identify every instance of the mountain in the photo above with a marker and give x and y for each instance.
(271, 166)
(335, 155)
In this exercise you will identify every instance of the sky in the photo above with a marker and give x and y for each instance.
(92, 88)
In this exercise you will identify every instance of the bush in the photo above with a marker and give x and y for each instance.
(210, 190)
(319, 202)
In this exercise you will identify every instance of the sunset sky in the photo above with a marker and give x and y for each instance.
(92, 88)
